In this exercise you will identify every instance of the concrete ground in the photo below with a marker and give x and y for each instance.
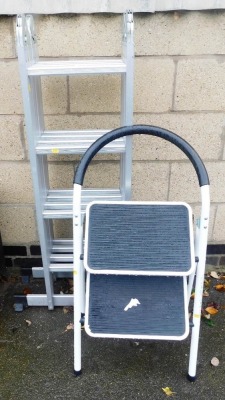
(36, 359)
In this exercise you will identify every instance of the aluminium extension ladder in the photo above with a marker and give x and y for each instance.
(142, 260)
(51, 204)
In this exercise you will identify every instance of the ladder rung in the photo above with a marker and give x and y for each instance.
(64, 258)
(62, 246)
(59, 203)
(61, 270)
(80, 66)
(42, 300)
(75, 142)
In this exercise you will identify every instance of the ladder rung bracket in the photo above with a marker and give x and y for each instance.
(77, 67)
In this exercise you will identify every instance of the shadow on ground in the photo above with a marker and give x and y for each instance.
(37, 359)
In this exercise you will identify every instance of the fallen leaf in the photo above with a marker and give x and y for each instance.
(214, 274)
(205, 293)
(222, 277)
(209, 322)
(215, 362)
(168, 391)
(213, 304)
(28, 322)
(207, 283)
(26, 291)
(192, 295)
(220, 287)
(66, 310)
(69, 327)
(211, 310)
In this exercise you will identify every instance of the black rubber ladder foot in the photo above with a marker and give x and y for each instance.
(191, 378)
(78, 373)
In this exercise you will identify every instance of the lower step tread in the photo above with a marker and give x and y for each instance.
(162, 312)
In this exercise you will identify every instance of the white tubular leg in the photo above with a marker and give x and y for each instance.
(77, 276)
(204, 222)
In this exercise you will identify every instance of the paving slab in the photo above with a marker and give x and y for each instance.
(36, 359)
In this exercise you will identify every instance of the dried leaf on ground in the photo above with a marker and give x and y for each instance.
(168, 391)
(205, 293)
(207, 283)
(27, 291)
(222, 277)
(69, 327)
(211, 310)
(67, 310)
(220, 287)
(28, 322)
(215, 362)
(214, 274)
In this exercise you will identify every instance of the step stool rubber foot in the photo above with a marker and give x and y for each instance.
(191, 378)
(77, 373)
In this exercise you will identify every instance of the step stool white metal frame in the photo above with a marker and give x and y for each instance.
(200, 244)
(51, 204)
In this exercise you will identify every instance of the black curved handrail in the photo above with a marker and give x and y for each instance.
(137, 130)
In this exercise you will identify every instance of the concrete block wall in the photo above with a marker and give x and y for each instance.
(179, 85)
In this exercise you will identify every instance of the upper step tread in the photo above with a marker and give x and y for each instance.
(129, 237)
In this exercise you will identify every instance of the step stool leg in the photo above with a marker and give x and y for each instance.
(78, 294)
(78, 276)
(200, 247)
(196, 320)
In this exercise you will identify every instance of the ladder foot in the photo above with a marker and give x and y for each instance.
(77, 373)
(191, 378)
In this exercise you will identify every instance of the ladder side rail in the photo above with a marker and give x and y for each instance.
(127, 95)
(34, 126)
(31, 39)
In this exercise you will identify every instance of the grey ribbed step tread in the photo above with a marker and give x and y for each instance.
(77, 66)
(161, 312)
(75, 142)
(59, 203)
(137, 237)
